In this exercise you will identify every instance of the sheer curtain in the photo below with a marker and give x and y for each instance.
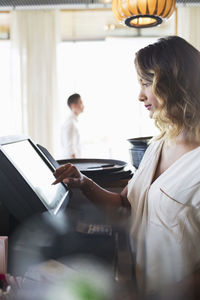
(34, 36)
(189, 24)
(10, 121)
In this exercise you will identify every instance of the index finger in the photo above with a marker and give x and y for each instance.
(60, 170)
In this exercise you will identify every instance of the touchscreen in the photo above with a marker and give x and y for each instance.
(35, 171)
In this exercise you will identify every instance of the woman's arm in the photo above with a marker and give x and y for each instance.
(71, 176)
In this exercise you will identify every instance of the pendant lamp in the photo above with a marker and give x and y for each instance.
(142, 13)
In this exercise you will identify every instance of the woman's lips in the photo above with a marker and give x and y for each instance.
(148, 106)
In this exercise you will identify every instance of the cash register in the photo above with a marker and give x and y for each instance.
(26, 191)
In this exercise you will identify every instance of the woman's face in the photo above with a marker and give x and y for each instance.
(147, 97)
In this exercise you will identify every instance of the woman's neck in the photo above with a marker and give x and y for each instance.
(183, 140)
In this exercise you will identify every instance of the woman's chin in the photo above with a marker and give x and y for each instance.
(151, 114)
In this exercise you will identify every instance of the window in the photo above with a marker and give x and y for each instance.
(103, 73)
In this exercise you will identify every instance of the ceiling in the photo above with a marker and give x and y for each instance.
(70, 4)
(62, 4)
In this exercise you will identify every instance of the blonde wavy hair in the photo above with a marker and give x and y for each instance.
(172, 65)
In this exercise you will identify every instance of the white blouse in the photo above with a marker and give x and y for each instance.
(166, 219)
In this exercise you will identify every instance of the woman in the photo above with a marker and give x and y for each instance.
(164, 193)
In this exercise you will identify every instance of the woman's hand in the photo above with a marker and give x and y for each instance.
(70, 175)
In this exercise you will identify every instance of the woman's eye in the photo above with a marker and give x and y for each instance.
(146, 84)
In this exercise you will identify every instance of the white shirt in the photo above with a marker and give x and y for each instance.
(70, 137)
(166, 219)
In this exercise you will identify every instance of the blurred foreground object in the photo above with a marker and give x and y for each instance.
(76, 279)
(57, 258)
(3, 254)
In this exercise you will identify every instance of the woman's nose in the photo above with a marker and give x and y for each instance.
(142, 97)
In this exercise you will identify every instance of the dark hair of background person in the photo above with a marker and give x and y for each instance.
(73, 99)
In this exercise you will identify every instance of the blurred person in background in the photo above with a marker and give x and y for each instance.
(164, 193)
(70, 136)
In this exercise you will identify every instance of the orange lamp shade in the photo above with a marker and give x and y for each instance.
(142, 13)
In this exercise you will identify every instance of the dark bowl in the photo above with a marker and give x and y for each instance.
(136, 155)
(140, 141)
(139, 146)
